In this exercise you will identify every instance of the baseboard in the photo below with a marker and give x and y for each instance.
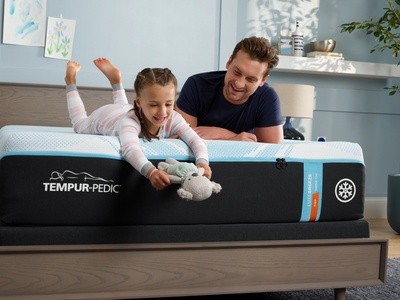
(375, 208)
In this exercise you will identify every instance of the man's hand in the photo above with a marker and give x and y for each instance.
(218, 133)
(244, 136)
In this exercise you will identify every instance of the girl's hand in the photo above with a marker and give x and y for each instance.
(207, 169)
(159, 179)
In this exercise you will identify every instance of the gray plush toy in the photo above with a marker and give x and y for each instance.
(194, 186)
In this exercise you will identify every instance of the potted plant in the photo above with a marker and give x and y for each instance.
(385, 30)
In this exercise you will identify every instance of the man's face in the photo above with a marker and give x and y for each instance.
(243, 77)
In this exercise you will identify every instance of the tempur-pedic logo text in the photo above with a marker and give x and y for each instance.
(81, 182)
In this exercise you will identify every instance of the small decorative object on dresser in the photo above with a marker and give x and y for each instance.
(324, 48)
(285, 45)
(298, 41)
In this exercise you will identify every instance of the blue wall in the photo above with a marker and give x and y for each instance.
(191, 36)
(134, 34)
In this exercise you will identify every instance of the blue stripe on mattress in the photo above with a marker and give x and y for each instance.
(312, 192)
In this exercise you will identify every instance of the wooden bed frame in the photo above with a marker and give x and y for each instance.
(165, 270)
(172, 269)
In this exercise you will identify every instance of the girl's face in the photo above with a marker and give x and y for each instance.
(157, 104)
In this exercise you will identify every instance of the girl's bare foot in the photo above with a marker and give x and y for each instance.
(109, 70)
(72, 69)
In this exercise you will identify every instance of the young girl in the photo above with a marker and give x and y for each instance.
(152, 116)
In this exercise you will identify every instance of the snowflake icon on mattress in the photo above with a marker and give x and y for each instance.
(345, 190)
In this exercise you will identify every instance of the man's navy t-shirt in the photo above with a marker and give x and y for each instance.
(202, 97)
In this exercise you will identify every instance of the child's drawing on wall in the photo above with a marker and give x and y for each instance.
(59, 38)
(24, 22)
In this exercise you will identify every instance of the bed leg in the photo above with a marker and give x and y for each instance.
(340, 294)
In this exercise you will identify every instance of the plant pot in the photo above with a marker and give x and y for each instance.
(393, 202)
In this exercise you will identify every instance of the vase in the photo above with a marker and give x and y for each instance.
(393, 202)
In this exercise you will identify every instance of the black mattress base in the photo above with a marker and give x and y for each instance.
(66, 235)
(252, 192)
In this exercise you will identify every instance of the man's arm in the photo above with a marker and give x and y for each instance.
(218, 133)
(215, 133)
(273, 134)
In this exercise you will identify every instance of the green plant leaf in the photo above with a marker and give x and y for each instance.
(385, 30)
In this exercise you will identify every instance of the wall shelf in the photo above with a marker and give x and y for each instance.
(336, 67)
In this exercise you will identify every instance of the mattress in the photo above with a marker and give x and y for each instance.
(53, 176)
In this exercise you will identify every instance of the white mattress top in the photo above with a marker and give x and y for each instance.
(63, 141)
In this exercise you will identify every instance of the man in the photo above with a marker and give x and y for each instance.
(236, 104)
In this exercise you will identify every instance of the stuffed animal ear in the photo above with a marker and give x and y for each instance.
(184, 194)
(162, 166)
(172, 161)
(216, 187)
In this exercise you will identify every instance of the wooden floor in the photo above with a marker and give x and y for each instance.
(381, 228)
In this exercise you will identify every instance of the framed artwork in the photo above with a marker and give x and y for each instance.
(285, 45)
(24, 22)
(59, 38)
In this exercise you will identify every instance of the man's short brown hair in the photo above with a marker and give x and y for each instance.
(259, 49)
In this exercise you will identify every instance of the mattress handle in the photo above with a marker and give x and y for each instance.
(281, 164)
